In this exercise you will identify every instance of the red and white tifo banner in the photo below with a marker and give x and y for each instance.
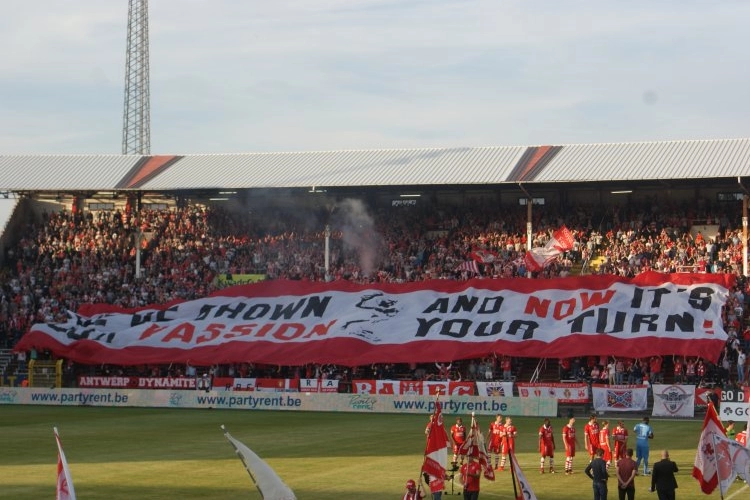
(673, 400)
(295, 323)
(574, 392)
(412, 387)
(620, 397)
(501, 389)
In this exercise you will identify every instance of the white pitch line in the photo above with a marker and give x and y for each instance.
(730, 497)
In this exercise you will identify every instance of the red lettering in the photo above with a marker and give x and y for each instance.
(241, 331)
(213, 331)
(596, 298)
(320, 330)
(183, 332)
(562, 311)
(536, 306)
(295, 330)
(264, 329)
(151, 330)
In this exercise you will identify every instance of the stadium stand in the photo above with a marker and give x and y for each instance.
(60, 259)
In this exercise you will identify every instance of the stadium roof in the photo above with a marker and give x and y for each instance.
(694, 159)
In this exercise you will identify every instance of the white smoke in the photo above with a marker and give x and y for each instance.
(358, 233)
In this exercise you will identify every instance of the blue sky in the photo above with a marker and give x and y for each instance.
(231, 76)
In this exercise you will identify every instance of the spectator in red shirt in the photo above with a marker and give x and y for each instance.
(471, 473)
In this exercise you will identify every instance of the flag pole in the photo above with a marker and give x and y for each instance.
(247, 468)
(513, 473)
(718, 469)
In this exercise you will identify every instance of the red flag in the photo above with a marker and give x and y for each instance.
(484, 256)
(436, 450)
(469, 266)
(474, 446)
(706, 465)
(65, 490)
(537, 258)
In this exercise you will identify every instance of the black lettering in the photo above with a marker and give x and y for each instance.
(463, 328)
(658, 292)
(700, 298)
(287, 311)
(523, 326)
(481, 331)
(645, 319)
(637, 298)
(230, 310)
(576, 324)
(256, 311)
(204, 312)
(465, 303)
(685, 322)
(425, 325)
(440, 305)
(316, 306)
(491, 305)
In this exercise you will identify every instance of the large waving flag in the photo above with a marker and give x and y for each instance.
(706, 468)
(521, 486)
(537, 258)
(738, 457)
(65, 490)
(475, 446)
(269, 484)
(436, 451)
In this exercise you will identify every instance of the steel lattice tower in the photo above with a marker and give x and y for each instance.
(136, 126)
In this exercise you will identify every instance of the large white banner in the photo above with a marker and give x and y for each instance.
(620, 397)
(296, 323)
(287, 401)
(564, 392)
(673, 400)
(494, 388)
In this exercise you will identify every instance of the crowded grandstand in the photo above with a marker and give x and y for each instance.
(132, 232)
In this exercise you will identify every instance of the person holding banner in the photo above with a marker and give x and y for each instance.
(471, 473)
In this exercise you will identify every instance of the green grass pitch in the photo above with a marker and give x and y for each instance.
(117, 453)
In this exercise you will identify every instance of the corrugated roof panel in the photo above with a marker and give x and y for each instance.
(340, 168)
(51, 172)
(351, 168)
(650, 160)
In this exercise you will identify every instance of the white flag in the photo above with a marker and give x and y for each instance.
(65, 490)
(708, 469)
(525, 493)
(269, 484)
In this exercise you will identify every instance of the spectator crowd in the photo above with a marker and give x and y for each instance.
(67, 259)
